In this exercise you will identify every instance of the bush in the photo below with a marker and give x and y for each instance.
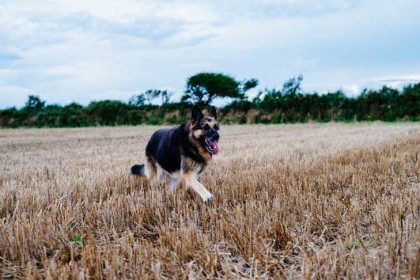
(288, 105)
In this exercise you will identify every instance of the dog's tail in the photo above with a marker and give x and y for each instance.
(137, 169)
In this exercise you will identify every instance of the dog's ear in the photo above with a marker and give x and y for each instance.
(196, 115)
(213, 113)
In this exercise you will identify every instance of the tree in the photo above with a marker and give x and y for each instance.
(166, 96)
(152, 94)
(250, 84)
(34, 104)
(292, 86)
(410, 102)
(137, 100)
(203, 88)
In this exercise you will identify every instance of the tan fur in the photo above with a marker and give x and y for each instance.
(201, 150)
(191, 181)
(210, 121)
(197, 133)
(150, 170)
(194, 135)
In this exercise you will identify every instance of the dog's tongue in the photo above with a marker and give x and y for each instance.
(215, 147)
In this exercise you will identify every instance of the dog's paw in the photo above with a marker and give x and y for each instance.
(207, 197)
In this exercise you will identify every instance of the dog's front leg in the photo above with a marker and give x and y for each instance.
(191, 181)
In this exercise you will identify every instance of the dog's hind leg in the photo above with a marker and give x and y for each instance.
(150, 170)
(173, 182)
(161, 176)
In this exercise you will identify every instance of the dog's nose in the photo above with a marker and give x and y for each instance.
(215, 136)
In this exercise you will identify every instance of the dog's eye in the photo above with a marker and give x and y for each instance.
(216, 127)
(206, 127)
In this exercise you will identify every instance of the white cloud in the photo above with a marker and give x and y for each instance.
(395, 81)
(82, 50)
(398, 78)
(352, 90)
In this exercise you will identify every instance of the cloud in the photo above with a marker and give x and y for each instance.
(396, 81)
(401, 78)
(83, 50)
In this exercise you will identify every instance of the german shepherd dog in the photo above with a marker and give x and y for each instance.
(182, 152)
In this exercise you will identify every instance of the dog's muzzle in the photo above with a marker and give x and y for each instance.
(212, 143)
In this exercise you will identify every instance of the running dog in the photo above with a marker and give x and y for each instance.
(182, 152)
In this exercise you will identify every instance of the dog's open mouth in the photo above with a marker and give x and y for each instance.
(212, 147)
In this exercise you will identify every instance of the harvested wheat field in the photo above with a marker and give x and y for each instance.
(291, 201)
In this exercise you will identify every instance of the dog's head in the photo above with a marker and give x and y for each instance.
(204, 129)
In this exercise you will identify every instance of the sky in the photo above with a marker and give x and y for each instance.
(78, 51)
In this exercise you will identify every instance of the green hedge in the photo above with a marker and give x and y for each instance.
(270, 106)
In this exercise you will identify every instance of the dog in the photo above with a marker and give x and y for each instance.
(182, 152)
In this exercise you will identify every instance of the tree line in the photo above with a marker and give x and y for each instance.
(286, 105)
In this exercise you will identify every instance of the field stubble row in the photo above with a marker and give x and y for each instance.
(305, 201)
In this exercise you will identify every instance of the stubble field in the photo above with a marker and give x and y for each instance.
(291, 201)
